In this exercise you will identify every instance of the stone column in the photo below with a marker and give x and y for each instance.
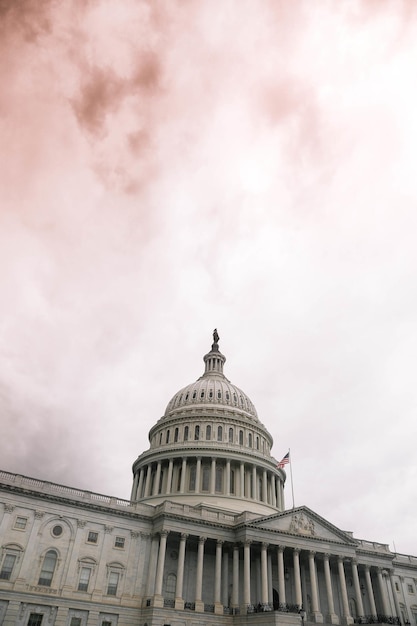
(169, 477)
(227, 486)
(225, 577)
(278, 494)
(332, 617)
(199, 604)
(140, 485)
(345, 602)
(357, 586)
(179, 601)
(297, 577)
(148, 481)
(382, 591)
(242, 480)
(264, 486)
(213, 476)
(198, 475)
(246, 574)
(150, 581)
(160, 569)
(270, 587)
(370, 591)
(281, 576)
(133, 495)
(157, 480)
(235, 589)
(264, 574)
(254, 485)
(394, 595)
(273, 491)
(183, 472)
(218, 606)
(317, 616)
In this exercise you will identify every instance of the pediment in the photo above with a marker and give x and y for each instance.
(302, 522)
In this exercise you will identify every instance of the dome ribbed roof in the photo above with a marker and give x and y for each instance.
(212, 389)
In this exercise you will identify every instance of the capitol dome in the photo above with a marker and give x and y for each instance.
(210, 447)
(212, 389)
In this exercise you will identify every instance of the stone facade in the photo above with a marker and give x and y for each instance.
(204, 540)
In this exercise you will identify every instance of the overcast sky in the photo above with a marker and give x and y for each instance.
(171, 167)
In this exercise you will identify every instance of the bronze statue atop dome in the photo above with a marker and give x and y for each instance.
(215, 345)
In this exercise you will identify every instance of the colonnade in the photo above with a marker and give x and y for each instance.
(208, 475)
(249, 574)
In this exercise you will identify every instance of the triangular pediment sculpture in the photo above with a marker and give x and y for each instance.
(303, 522)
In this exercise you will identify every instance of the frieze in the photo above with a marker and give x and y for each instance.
(43, 589)
(302, 525)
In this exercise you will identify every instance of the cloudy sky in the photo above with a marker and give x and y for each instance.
(168, 167)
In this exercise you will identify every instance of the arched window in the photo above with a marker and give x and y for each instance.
(197, 433)
(250, 440)
(230, 435)
(48, 568)
(160, 439)
(194, 394)
(171, 586)
(167, 437)
(186, 431)
(219, 394)
(219, 479)
(208, 433)
(219, 433)
(241, 437)
(176, 435)
(257, 443)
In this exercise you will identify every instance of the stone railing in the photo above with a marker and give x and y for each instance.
(378, 619)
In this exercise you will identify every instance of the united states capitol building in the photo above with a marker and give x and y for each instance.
(206, 538)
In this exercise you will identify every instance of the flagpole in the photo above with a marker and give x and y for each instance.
(292, 482)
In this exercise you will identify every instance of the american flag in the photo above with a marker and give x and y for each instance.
(284, 460)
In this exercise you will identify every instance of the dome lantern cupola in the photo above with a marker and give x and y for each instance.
(214, 360)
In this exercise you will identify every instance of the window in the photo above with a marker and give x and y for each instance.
(197, 433)
(186, 431)
(7, 566)
(176, 435)
(257, 443)
(250, 440)
(167, 437)
(191, 486)
(171, 586)
(219, 479)
(230, 435)
(48, 568)
(35, 619)
(113, 583)
(202, 394)
(57, 530)
(211, 393)
(206, 478)
(105, 623)
(84, 579)
(119, 542)
(208, 433)
(20, 523)
(160, 438)
(92, 537)
(219, 433)
(219, 394)
(75, 621)
(410, 588)
(194, 394)
(241, 437)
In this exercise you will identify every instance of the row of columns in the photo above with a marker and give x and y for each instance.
(245, 482)
(222, 574)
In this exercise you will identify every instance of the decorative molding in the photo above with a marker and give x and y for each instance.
(81, 523)
(108, 529)
(39, 514)
(9, 508)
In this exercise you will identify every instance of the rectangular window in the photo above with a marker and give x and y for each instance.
(7, 567)
(75, 621)
(410, 588)
(92, 537)
(84, 579)
(35, 619)
(113, 583)
(106, 623)
(119, 542)
(20, 523)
